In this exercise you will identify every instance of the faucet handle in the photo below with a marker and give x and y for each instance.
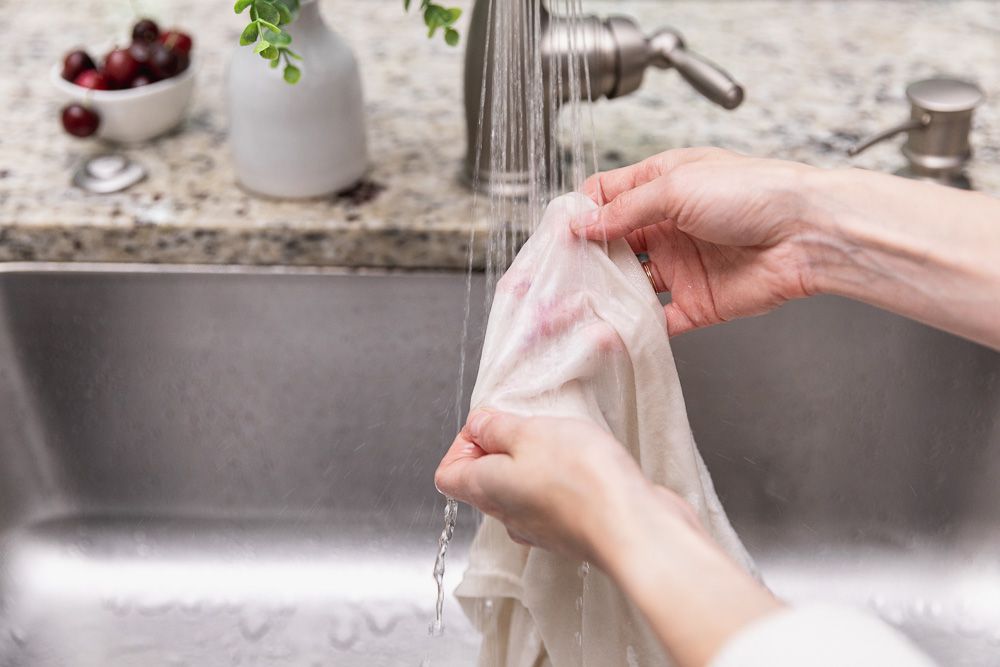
(665, 49)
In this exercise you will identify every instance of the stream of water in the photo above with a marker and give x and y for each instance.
(536, 104)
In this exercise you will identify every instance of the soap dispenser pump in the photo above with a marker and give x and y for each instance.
(937, 143)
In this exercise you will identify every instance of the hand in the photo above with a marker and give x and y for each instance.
(568, 486)
(721, 230)
(561, 484)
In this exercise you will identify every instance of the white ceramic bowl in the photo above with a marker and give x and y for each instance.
(134, 115)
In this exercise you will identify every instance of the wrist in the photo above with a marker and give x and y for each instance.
(693, 595)
(822, 236)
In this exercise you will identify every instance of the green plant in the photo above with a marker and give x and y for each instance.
(436, 16)
(271, 41)
(265, 31)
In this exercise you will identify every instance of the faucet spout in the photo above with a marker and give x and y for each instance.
(560, 59)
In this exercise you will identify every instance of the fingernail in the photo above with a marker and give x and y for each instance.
(477, 422)
(588, 219)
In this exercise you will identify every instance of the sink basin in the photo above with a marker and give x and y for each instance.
(210, 467)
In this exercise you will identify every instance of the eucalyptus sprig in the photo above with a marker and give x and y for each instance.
(265, 30)
(437, 16)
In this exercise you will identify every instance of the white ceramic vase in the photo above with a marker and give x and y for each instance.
(298, 140)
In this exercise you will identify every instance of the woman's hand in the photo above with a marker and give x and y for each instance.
(568, 486)
(730, 236)
(561, 484)
(720, 230)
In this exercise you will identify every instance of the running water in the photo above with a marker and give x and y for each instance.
(526, 89)
(450, 516)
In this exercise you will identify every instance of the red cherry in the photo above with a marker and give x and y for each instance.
(120, 68)
(177, 41)
(140, 52)
(145, 30)
(93, 79)
(141, 80)
(164, 63)
(80, 121)
(76, 62)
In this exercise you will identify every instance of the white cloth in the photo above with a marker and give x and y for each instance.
(819, 636)
(577, 331)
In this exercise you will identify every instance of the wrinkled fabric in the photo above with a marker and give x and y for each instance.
(576, 331)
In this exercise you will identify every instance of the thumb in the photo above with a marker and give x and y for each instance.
(648, 204)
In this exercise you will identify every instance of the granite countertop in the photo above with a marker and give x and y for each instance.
(818, 73)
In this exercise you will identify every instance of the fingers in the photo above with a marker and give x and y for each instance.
(478, 455)
(645, 205)
(495, 432)
(636, 196)
(607, 186)
(454, 476)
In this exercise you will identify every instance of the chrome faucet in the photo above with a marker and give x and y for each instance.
(615, 55)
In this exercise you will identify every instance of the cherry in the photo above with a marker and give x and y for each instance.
(164, 63)
(177, 41)
(120, 68)
(93, 79)
(141, 53)
(76, 62)
(141, 80)
(145, 30)
(80, 121)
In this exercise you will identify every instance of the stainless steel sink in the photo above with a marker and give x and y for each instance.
(234, 466)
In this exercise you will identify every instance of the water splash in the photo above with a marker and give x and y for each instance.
(450, 517)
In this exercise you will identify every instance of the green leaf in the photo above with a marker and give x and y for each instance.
(274, 63)
(241, 5)
(261, 46)
(406, 5)
(292, 74)
(451, 37)
(267, 11)
(270, 26)
(270, 53)
(455, 14)
(292, 54)
(278, 38)
(249, 35)
(286, 14)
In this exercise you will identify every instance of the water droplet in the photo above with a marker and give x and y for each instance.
(119, 606)
(579, 603)
(631, 657)
(382, 625)
(254, 626)
(894, 615)
(18, 636)
(343, 634)
(578, 637)
(584, 569)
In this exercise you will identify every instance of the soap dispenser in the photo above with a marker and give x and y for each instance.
(937, 141)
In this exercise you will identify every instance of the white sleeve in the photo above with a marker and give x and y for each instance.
(819, 636)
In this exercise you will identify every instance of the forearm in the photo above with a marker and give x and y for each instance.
(924, 251)
(693, 595)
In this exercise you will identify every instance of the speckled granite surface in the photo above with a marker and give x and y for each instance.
(819, 73)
